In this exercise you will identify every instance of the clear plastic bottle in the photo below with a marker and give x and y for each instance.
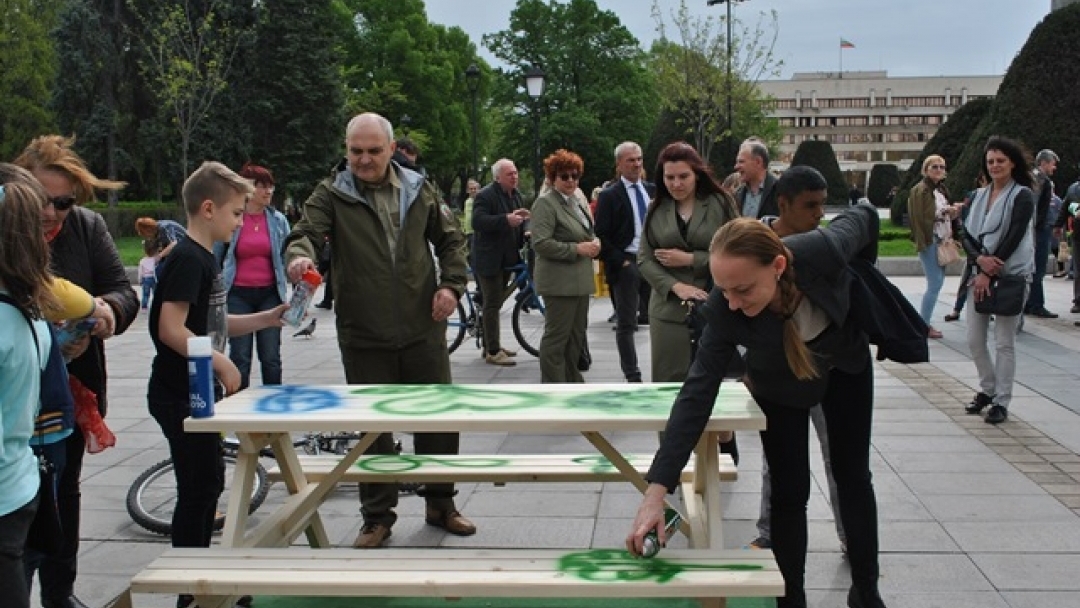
(303, 292)
(200, 354)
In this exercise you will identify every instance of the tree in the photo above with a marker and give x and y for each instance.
(599, 91)
(400, 65)
(883, 178)
(819, 155)
(295, 97)
(188, 52)
(692, 76)
(950, 140)
(28, 65)
(91, 39)
(1036, 102)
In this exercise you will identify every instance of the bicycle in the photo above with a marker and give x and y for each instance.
(527, 317)
(152, 496)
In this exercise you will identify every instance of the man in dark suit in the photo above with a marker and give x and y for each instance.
(498, 219)
(620, 213)
(756, 196)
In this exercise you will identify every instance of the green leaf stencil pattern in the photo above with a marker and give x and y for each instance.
(420, 400)
(397, 463)
(618, 566)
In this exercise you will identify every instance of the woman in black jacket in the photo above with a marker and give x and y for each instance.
(788, 302)
(83, 252)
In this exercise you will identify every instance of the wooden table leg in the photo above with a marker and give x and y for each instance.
(706, 488)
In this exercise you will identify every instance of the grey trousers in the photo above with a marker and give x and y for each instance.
(995, 375)
(817, 417)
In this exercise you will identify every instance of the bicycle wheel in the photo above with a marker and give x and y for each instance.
(528, 321)
(455, 328)
(152, 496)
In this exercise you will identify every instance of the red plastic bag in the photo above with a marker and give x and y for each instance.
(97, 435)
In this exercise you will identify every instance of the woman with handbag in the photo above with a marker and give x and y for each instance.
(931, 229)
(24, 280)
(998, 241)
(689, 208)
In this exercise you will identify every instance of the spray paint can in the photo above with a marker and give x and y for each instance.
(200, 376)
(650, 546)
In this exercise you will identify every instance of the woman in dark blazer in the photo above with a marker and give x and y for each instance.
(788, 302)
(565, 244)
(674, 257)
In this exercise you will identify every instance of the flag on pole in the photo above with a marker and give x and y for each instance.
(845, 44)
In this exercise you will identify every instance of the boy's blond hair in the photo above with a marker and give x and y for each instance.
(213, 181)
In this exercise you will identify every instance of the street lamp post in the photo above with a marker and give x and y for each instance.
(534, 84)
(730, 116)
(472, 81)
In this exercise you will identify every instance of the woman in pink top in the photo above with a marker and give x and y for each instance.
(254, 275)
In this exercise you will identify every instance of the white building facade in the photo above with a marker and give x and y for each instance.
(868, 117)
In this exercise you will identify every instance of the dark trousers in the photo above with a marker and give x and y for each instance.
(56, 453)
(57, 573)
(14, 528)
(1076, 275)
(494, 288)
(626, 292)
(848, 408)
(566, 319)
(200, 475)
(1037, 299)
(247, 300)
(425, 362)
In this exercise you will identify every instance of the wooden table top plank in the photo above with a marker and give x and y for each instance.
(460, 407)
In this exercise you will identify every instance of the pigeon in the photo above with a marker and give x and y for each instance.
(307, 331)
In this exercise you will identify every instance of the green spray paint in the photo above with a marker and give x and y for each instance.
(619, 566)
(398, 463)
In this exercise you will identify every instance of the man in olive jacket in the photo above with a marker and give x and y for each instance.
(392, 302)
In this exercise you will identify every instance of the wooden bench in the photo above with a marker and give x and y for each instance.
(497, 469)
(217, 576)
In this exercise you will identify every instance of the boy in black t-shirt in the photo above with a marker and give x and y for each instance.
(190, 301)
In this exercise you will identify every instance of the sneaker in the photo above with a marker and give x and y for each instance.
(508, 352)
(952, 316)
(996, 414)
(372, 536)
(977, 404)
(500, 358)
(760, 543)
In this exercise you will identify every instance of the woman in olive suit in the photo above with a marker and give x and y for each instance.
(690, 207)
(565, 244)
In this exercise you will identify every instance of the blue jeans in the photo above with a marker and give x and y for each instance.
(148, 285)
(246, 300)
(935, 277)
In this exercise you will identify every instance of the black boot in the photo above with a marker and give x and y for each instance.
(857, 599)
(977, 404)
(731, 446)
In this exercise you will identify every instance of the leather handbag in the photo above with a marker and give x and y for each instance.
(947, 252)
(1006, 297)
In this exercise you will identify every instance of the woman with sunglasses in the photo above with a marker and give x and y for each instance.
(84, 253)
(931, 222)
(565, 244)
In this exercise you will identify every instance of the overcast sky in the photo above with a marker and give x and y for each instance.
(907, 38)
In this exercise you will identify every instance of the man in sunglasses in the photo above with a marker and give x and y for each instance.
(620, 215)
(498, 223)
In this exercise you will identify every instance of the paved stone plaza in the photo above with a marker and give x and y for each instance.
(971, 516)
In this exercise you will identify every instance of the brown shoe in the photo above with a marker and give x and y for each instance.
(453, 522)
(508, 352)
(372, 536)
(500, 358)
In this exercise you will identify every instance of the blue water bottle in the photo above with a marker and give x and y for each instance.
(201, 376)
